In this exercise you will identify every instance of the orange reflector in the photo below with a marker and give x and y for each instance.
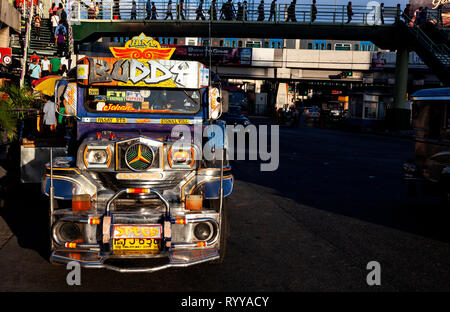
(201, 244)
(70, 245)
(180, 221)
(94, 221)
(81, 202)
(137, 190)
(194, 202)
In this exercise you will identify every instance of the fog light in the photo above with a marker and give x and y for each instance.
(69, 232)
(202, 231)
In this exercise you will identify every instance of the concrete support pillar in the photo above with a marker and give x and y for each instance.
(398, 117)
(4, 37)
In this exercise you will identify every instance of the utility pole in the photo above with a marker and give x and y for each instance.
(25, 47)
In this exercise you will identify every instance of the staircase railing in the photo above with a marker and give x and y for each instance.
(434, 48)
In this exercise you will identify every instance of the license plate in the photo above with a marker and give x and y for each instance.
(138, 231)
(133, 244)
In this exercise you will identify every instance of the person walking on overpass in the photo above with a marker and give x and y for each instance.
(133, 10)
(148, 9)
(291, 12)
(349, 12)
(313, 11)
(261, 11)
(199, 11)
(213, 11)
(272, 11)
(180, 11)
(240, 12)
(154, 12)
(169, 10)
(245, 7)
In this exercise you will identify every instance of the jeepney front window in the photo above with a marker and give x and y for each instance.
(142, 100)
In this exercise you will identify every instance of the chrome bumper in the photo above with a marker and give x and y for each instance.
(177, 254)
(177, 259)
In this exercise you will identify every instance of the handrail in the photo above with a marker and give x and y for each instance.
(420, 34)
(303, 13)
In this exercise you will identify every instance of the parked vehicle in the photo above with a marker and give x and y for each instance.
(311, 112)
(431, 124)
(130, 188)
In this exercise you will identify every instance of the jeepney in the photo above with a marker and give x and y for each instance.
(131, 187)
(430, 165)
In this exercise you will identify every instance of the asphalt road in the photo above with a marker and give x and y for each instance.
(335, 203)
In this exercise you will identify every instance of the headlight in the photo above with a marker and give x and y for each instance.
(181, 157)
(97, 156)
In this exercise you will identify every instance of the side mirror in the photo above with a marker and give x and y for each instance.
(214, 105)
(67, 97)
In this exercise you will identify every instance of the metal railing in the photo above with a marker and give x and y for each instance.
(253, 11)
(438, 50)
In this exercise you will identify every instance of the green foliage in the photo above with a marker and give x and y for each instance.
(13, 100)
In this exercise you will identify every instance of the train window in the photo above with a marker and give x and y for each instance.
(206, 42)
(240, 44)
(356, 48)
(316, 46)
(279, 45)
(329, 46)
(253, 44)
(175, 41)
(322, 46)
(342, 46)
(221, 43)
(266, 44)
(310, 46)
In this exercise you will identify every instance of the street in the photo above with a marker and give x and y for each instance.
(336, 203)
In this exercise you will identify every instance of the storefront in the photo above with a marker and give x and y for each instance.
(368, 108)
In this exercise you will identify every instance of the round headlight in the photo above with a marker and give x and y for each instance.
(202, 231)
(97, 156)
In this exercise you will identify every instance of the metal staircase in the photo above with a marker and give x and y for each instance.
(433, 49)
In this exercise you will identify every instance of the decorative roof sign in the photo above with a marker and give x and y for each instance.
(142, 47)
(142, 63)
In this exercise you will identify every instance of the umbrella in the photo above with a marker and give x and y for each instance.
(46, 85)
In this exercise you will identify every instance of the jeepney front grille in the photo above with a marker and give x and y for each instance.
(140, 205)
(125, 149)
(109, 181)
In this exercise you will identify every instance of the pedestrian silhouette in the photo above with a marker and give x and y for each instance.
(291, 12)
(154, 12)
(272, 11)
(213, 11)
(240, 12)
(169, 10)
(180, 11)
(261, 11)
(349, 12)
(199, 11)
(313, 11)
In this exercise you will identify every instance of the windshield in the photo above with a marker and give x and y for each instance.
(145, 100)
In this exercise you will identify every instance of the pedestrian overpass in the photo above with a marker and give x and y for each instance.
(388, 29)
